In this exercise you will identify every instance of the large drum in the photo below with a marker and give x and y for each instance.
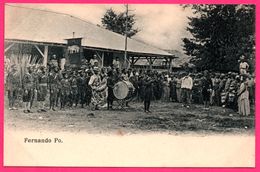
(123, 90)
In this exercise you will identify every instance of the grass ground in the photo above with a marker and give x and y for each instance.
(165, 118)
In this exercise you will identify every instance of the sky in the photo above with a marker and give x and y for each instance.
(161, 25)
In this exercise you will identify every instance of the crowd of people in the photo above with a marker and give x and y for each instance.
(92, 85)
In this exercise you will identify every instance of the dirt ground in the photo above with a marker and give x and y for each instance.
(169, 118)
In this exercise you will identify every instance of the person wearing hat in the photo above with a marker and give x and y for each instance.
(53, 86)
(186, 88)
(65, 90)
(54, 61)
(243, 66)
(74, 97)
(27, 86)
(12, 85)
(42, 81)
(81, 84)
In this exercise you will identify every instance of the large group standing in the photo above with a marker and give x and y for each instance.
(92, 85)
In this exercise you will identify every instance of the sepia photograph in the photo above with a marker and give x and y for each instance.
(129, 85)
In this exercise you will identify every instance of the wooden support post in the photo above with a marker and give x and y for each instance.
(39, 50)
(151, 63)
(154, 59)
(170, 65)
(102, 59)
(10, 46)
(136, 59)
(132, 60)
(45, 55)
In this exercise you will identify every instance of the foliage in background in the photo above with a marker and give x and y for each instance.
(117, 22)
(22, 58)
(221, 34)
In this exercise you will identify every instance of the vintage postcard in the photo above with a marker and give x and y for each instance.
(129, 85)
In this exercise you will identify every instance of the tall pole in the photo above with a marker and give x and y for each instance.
(126, 28)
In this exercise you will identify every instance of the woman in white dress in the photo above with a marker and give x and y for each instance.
(243, 98)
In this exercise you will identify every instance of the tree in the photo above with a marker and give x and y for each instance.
(117, 22)
(220, 35)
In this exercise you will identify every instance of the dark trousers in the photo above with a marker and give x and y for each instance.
(82, 96)
(12, 97)
(88, 95)
(53, 97)
(147, 105)
(186, 95)
(64, 99)
(74, 96)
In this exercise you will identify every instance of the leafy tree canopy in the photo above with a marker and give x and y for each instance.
(117, 22)
(220, 35)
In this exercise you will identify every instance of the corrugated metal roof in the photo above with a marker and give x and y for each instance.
(51, 27)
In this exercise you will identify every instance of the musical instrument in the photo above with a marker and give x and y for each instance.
(123, 90)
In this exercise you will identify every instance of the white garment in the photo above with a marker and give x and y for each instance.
(62, 63)
(187, 82)
(116, 64)
(94, 81)
(243, 67)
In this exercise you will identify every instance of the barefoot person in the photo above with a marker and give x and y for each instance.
(186, 86)
(94, 83)
(27, 85)
(12, 82)
(243, 98)
(42, 88)
(147, 94)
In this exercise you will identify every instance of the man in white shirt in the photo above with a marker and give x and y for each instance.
(94, 61)
(116, 63)
(243, 66)
(186, 87)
